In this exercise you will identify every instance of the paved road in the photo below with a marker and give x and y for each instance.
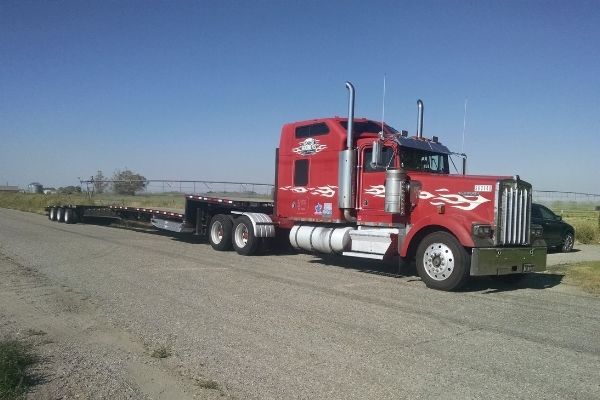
(581, 252)
(284, 326)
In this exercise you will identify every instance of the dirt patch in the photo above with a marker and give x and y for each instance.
(81, 354)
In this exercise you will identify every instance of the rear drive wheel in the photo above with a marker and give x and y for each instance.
(60, 214)
(567, 242)
(52, 214)
(442, 262)
(219, 234)
(244, 240)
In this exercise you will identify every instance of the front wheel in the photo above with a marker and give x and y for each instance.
(567, 242)
(442, 262)
(244, 240)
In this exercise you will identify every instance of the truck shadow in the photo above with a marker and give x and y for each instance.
(390, 268)
(491, 285)
(484, 284)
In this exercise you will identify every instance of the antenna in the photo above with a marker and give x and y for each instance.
(462, 150)
(383, 107)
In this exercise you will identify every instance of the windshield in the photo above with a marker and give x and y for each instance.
(425, 161)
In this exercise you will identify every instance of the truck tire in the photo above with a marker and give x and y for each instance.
(219, 232)
(60, 214)
(52, 214)
(69, 216)
(442, 262)
(244, 240)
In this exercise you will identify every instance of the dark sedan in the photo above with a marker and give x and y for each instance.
(557, 233)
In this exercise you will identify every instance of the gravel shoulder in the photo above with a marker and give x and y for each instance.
(283, 326)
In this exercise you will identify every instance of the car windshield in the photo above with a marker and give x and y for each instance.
(421, 160)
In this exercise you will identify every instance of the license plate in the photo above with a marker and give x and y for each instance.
(528, 267)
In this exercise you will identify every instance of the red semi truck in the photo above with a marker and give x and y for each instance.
(358, 187)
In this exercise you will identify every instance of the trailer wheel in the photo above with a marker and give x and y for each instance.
(60, 214)
(69, 216)
(442, 262)
(244, 240)
(52, 214)
(219, 234)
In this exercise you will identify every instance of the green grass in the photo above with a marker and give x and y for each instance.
(586, 275)
(15, 358)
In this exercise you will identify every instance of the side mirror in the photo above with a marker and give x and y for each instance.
(376, 157)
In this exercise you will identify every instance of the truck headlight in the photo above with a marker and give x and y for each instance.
(482, 230)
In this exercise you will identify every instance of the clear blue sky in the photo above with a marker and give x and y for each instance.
(200, 89)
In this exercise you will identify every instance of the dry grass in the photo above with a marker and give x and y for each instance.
(161, 352)
(584, 218)
(586, 275)
(37, 202)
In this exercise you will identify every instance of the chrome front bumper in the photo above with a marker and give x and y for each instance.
(509, 260)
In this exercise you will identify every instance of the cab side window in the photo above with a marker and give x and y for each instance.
(387, 153)
(301, 172)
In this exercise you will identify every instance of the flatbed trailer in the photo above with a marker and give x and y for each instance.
(195, 219)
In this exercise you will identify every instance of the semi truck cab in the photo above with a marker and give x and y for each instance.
(361, 188)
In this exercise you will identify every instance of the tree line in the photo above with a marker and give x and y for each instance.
(124, 182)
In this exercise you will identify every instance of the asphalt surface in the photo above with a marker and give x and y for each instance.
(286, 326)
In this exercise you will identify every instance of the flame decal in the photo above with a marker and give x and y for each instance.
(466, 202)
(324, 191)
(309, 146)
(376, 191)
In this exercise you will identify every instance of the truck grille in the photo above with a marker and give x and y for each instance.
(513, 212)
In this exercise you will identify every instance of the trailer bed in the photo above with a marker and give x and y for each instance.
(194, 219)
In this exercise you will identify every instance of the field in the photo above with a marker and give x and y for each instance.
(37, 202)
(583, 216)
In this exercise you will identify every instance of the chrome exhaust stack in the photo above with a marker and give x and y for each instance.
(347, 163)
(350, 129)
(420, 108)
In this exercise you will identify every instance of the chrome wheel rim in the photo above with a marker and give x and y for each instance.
(568, 244)
(241, 235)
(216, 232)
(438, 261)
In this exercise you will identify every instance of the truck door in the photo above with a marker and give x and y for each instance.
(371, 180)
